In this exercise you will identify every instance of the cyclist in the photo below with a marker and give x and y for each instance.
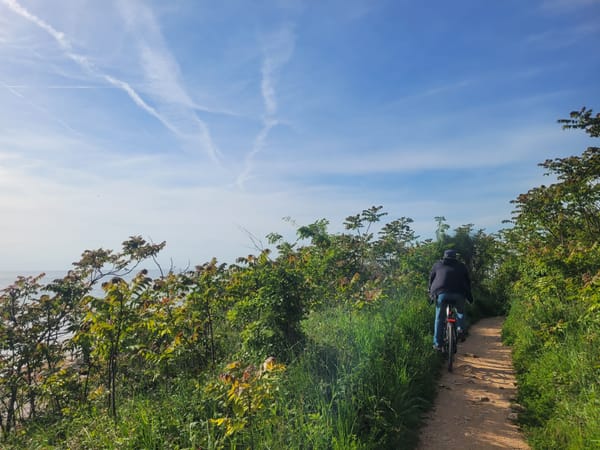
(449, 282)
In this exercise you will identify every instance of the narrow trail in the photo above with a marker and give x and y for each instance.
(473, 407)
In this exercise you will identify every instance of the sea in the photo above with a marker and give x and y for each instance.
(8, 277)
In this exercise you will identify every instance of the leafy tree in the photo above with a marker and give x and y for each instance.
(97, 264)
(395, 239)
(554, 251)
(361, 245)
(181, 322)
(20, 358)
(585, 120)
(109, 323)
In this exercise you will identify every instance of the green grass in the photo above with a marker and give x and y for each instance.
(383, 370)
(166, 419)
(557, 358)
(362, 382)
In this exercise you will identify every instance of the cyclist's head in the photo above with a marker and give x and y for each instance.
(450, 254)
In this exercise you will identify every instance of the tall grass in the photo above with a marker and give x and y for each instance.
(557, 358)
(372, 372)
(362, 382)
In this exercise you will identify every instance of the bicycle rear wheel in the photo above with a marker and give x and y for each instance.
(451, 343)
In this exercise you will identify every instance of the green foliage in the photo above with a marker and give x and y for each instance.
(583, 119)
(108, 323)
(21, 341)
(137, 367)
(553, 325)
(245, 399)
(97, 264)
(33, 369)
(180, 322)
(271, 303)
(483, 255)
(367, 374)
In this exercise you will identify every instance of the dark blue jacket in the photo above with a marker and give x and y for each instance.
(450, 275)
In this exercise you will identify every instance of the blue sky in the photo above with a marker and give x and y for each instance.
(202, 122)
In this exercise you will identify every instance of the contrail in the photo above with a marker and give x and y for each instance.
(57, 86)
(259, 143)
(87, 65)
(138, 101)
(267, 88)
(270, 101)
(84, 62)
(60, 37)
(279, 52)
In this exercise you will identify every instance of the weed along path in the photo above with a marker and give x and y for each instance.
(473, 407)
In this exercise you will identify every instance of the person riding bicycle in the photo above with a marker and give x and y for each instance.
(449, 282)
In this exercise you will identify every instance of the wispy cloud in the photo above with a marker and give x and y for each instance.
(447, 88)
(85, 63)
(278, 48)
(71, 154)
(487, 149)
(15, 91)
(562, 5)
(162, 75)
(439, 89)
(565, 37)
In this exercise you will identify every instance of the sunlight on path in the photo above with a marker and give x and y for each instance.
(473, 406)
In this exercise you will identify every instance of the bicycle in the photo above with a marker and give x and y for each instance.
(450, 346)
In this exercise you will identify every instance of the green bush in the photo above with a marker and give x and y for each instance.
(553, 322)
(181, 361)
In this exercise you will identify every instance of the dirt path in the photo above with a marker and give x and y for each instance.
(473, 407)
